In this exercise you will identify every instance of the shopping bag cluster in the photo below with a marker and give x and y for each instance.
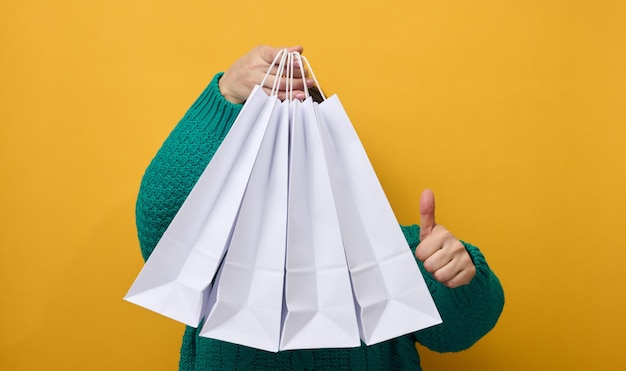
(287, 240)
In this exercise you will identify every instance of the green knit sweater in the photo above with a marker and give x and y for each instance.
(468, 312)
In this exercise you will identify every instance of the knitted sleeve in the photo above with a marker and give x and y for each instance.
(180, 161)
(469, 312)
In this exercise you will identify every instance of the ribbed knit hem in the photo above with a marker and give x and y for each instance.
(212, 107)
(475, 290)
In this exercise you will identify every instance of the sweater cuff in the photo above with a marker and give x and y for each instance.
(211, 106)
(483, 282)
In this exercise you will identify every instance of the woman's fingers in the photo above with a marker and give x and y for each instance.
(282, 95)
(296, 83)
(446, 258)
(252, 69)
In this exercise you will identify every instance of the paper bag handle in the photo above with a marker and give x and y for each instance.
(282, 55)
(285, 61)
(306, 90)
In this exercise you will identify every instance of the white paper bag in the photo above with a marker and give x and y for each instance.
(392, 296)
(318, 295)
(246, 302)
(175, 278)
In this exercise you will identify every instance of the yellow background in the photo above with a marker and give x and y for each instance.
(513, 112)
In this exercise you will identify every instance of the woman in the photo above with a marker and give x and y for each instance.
(467, 293)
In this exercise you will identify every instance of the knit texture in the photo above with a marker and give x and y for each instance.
(468, 312)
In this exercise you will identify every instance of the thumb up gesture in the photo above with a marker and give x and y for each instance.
(443, 255)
